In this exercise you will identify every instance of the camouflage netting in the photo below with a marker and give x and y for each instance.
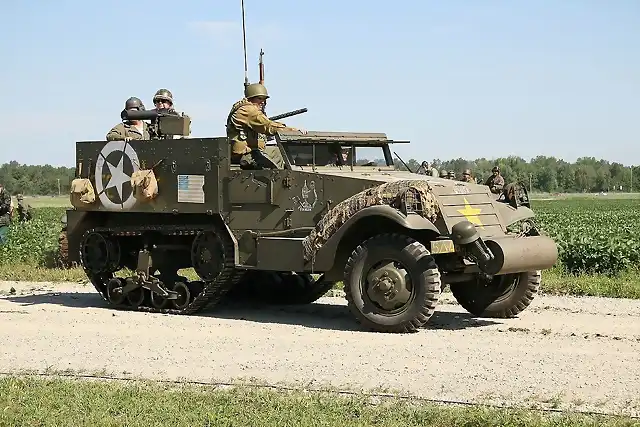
(416, 195)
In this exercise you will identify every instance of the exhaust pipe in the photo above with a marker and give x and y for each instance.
(505, 254)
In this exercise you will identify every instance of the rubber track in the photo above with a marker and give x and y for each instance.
(212, 292)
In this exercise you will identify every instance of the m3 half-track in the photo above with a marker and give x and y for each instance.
(392, 237)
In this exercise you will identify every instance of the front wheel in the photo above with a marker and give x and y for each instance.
(392, 284)
(505, 296)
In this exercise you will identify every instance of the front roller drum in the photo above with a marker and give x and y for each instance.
(392, 284)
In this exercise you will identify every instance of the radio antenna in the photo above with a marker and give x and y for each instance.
(244, 43)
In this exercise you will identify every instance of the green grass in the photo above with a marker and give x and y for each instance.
(555, 281)
(46, 201)
(614, 195)
(63, 402)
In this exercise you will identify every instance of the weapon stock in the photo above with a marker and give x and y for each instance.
(288, 114)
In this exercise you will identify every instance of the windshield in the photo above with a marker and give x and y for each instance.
(336, 155)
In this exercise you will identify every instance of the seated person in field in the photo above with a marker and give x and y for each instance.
(339, 155)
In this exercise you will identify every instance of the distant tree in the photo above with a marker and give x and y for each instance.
(546, 174)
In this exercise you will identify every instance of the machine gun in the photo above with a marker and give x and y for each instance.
(288, 114)
(164, 123)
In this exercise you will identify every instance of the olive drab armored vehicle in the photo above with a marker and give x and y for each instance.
(143, 210)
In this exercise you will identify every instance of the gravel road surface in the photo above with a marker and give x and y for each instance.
(577, 353)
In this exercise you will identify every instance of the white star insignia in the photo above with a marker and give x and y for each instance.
(118, 177)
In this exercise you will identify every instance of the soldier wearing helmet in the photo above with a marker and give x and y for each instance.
(495, 182)
(130, 129)
(466, 176)
(452, 174)
(443, 174)
(247, 126)
(24, 212)
(163, 100)
(5, 213)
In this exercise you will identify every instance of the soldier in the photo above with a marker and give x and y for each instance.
(5, 214)
(496, 181)
(432, 170)
(163, 100)
(24, 212)
(452, 175)
(339, 155)
(466, 176)
(246, 126)
(130, 129)
(443, 174)
(426, 169)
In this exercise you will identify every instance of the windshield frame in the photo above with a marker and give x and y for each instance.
(351, 147)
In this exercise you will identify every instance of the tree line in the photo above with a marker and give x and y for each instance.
(541, 174)
(546, 174)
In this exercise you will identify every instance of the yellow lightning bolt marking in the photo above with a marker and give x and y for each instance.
(471, 213)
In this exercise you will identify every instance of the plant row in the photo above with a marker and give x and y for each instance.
(593, 236)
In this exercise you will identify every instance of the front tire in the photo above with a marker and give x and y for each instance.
(506, 296)
(392, 284)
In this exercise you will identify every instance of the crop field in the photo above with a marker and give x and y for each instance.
(599, 254)
(599, 250)
(593, 235)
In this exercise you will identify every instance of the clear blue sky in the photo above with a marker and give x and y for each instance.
(457, 78)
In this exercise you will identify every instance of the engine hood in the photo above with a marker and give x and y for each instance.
(457, 200)
(381, 176)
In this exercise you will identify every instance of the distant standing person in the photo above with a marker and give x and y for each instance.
(5, 214)
(495, 182)
(466, 176)
(24, 212)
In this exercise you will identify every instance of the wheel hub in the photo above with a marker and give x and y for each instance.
(207, 255)
(389, 286)
(99, 253)
(114, 291)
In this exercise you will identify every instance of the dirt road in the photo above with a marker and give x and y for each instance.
(579, 353)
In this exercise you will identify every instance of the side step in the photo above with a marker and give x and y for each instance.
(280, 253)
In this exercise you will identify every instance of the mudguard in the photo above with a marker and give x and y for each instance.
(511, 215)
(325, 256)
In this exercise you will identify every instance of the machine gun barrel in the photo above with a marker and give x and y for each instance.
(140, 115)
(289, 114)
